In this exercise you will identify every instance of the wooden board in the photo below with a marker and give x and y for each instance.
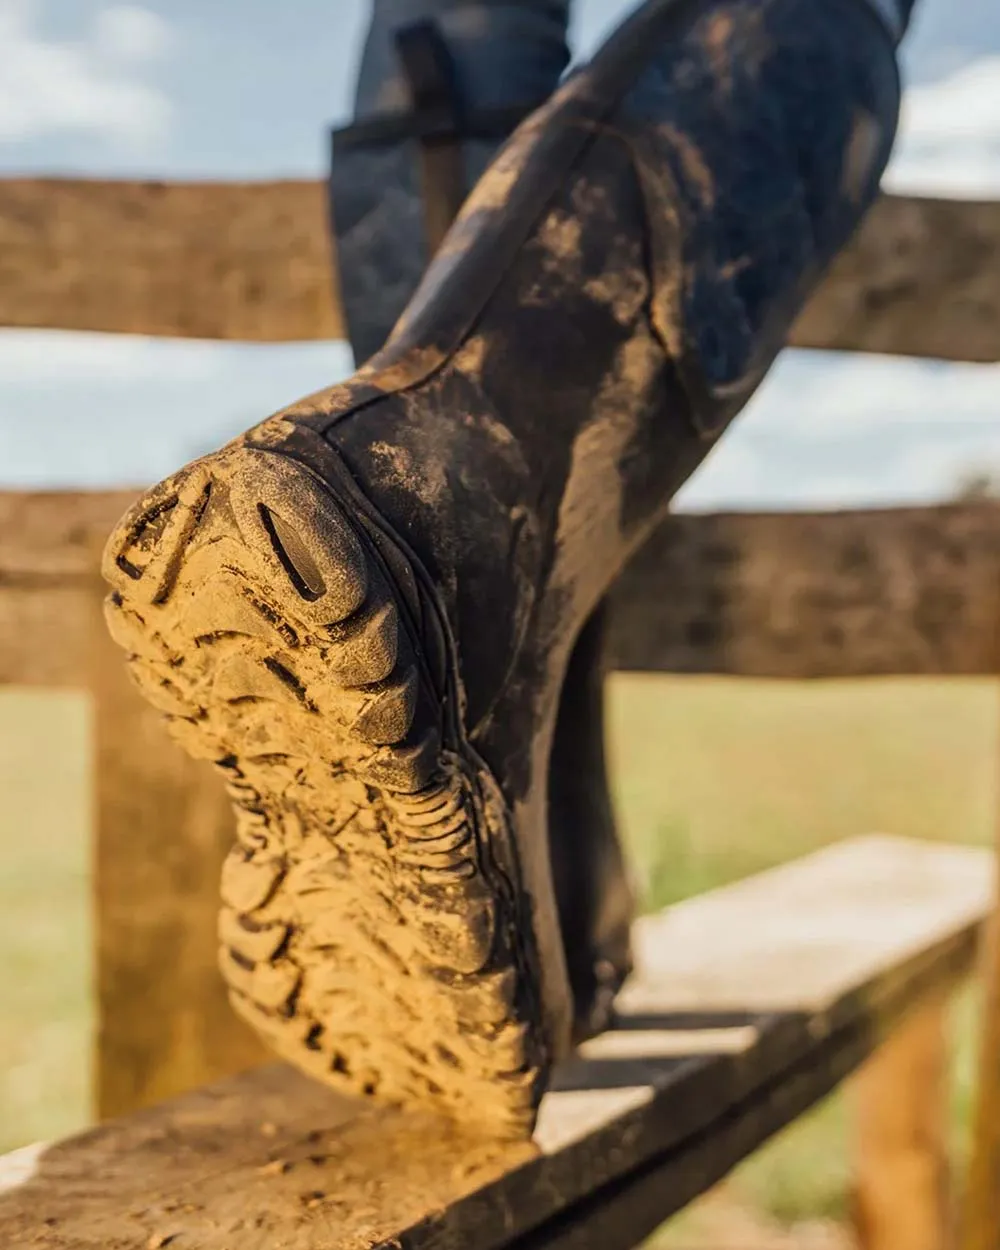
(253, 261)
(750, 1004)
(55, 535)
(920, 279)
(980, 1227)
(815, 594)
(205, 260)
(902, 1195)
(49, 548)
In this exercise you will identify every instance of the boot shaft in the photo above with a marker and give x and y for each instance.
(469, 72)
(613, 291)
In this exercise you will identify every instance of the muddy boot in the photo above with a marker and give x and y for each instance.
(363, 609)
(435, 99)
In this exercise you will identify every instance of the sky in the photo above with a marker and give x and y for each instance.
(248, 89)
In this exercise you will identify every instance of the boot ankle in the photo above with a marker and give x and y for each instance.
(504, 53)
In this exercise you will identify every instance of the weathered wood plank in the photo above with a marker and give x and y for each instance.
(920, 279)
(252, 261)
(824, 594)
(49, 547)
(43, 634)
(55, 535)
(749, 1005)
(980, 1228)
(902, 1190)
(794, 595)
(205, 260)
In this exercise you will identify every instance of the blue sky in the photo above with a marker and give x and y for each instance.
(178, 88)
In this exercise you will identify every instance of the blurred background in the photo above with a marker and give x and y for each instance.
(247, 90)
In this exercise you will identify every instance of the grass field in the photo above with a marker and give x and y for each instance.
(715, 779)
(45, 931)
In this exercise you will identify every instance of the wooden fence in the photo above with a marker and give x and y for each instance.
(908, 591)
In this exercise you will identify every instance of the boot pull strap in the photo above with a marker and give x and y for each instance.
(494, 124)
(438, 121)
(430, 72)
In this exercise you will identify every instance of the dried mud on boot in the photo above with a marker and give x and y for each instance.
(372, 925)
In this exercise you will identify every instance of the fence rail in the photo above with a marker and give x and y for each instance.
(888, 591)
(252, 261)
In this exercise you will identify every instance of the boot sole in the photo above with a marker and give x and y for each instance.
(373, 926)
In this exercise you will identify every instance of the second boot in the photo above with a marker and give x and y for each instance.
(363, 609)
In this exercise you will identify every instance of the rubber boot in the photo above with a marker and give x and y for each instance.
(362, 610)
(442, 82)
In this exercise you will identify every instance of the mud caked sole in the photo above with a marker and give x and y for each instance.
(372, 926)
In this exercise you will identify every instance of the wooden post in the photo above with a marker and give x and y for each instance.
(981, 1210)
(981, 1213)
(253, 261)
(163, 825)
(901, 1197)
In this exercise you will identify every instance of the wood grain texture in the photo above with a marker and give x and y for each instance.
(55, 535)
(980, 1214)
(824, 594)
(43, 634)
(902, 1186)
(252, 261)
(49, 545)
(919, 279)
(792, 595)
(208, 260)
(730, 1030)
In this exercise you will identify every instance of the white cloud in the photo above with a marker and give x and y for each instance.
(823, 396)
(949, 136)
(966, 104)
(50, 86)
(31, 358)
(128, 33)
(91, 410)
(735, 473)
(864, 472)
(830, 430)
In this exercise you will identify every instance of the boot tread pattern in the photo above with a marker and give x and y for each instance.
(367, 930)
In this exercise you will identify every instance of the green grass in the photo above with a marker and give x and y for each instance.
(46, 992)
(714, 779)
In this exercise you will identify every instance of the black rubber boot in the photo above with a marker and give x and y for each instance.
(364, 608)
(436, 96)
